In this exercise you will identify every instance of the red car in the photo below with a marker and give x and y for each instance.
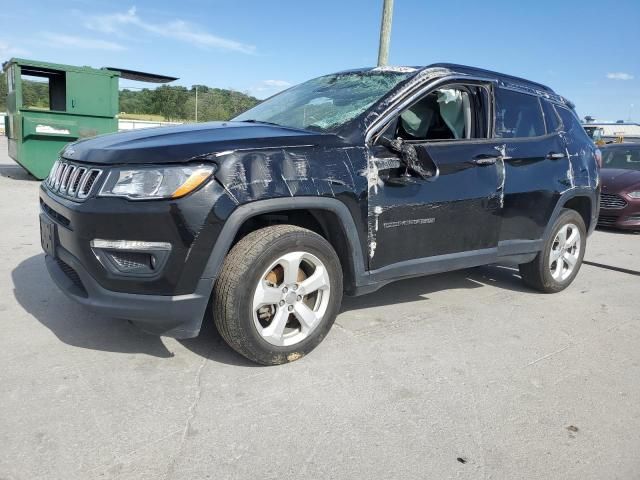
(620, 196)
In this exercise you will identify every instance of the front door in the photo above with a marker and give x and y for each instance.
(454, 209)
(457, 210)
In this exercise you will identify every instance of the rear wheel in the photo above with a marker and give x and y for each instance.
(555, 267)
(278, 294)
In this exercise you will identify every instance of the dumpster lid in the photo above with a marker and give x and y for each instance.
(142, 76)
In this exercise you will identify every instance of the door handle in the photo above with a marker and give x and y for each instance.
(555, 155)
(483, 160)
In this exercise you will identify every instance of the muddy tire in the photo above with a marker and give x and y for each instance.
(555, 267)
(278, 294)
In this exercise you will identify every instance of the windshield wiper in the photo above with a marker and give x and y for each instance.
(259, 121)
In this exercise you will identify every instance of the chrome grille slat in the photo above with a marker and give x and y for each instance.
(612, 201)
(72, 181)
(53, 172)
(59, 175)
(75, 181)
(64, 184)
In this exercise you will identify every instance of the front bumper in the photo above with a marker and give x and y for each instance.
(171, 302)
(178, 316)
(627, 218)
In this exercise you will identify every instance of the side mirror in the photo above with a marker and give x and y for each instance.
(418, 161)
(415, 159)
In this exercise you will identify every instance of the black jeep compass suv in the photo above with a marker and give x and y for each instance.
(341, 184)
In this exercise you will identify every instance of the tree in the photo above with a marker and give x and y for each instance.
(170, 102)
(3, 92)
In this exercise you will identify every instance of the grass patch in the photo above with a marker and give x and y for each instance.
(141, 116)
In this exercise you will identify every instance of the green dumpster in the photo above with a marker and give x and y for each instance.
(82, 102)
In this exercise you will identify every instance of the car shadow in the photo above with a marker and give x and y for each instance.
(16, 172)
(77, 327)
(418, 288)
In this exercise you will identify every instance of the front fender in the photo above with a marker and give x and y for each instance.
(244, 212)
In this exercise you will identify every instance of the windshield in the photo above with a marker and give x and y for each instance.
(626, 158)
(326, 103)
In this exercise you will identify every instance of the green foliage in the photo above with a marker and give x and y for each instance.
(3, 92)
(179, 103)
(35, 94)
(172, 102)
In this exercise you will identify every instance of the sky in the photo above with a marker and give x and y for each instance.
(587, 50)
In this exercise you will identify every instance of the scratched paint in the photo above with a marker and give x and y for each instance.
(394, 223)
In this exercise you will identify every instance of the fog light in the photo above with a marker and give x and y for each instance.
(129, 245)
(131, 257)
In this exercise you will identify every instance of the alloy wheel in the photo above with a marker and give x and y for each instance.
(565, 252)
(291, 298)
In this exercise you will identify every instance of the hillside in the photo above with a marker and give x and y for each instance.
(168, 102)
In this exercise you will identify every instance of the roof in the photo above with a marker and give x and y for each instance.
(508, 80)
(499, 76)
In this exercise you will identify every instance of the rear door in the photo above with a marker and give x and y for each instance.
(536, 164)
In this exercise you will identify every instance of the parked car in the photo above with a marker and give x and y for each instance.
(341, 184)
(620, 196)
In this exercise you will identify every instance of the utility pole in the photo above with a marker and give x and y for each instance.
(196, 103)
(385, 32)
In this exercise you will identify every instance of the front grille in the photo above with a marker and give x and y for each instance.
(612, 201)
(72, 181)
(607, 220)
(72, 275)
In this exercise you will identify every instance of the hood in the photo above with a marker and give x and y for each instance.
(182, 143)
(616, 179)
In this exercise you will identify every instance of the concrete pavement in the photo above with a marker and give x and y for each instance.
(463, 375)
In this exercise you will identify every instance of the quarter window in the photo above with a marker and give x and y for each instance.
(517, 115)
(570, 122)
(551, 118)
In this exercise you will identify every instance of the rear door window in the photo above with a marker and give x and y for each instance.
(518, 115)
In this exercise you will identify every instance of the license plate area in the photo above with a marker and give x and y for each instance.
(48, 235)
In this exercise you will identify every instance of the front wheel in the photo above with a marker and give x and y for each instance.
(278, 294)
(555, 267)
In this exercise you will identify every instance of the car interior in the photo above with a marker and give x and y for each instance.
(518, 115)
(448, 113)
(444, 114)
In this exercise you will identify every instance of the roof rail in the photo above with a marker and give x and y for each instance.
(474, 70)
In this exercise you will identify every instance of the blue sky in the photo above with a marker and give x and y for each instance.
(586, 50)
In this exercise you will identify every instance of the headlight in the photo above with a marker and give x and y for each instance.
(635, 194)
(154, 183)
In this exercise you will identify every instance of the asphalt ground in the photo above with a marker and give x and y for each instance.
(461, 375)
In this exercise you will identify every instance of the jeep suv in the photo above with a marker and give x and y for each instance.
(339, 185)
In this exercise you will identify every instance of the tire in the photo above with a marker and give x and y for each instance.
(260, 301)
(549, 276)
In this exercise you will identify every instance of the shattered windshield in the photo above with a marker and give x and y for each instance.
(626, 158)
(326, 103)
